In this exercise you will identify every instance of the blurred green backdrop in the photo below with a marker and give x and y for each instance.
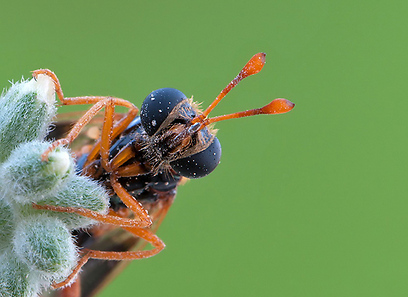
(310, 203)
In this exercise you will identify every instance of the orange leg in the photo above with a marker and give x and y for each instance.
(115, 164)
(117, 129)
(106, 219)
(159, 216)
(52, 75)
(107, 134)
(99, 102)
(147, 235)
(74, 272)
(108, 103)
(141, 217)
(74, 290)
(129, 200)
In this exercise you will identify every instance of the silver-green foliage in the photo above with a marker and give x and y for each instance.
(26, 110)
(36, 246)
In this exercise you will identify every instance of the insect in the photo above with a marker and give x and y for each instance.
(141, 160)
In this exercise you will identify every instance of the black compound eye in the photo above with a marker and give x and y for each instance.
(200, 164)
(157, 106)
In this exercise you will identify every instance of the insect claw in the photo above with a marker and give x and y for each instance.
(44, 156)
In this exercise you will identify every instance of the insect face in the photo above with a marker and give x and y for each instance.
(173, 141)
(179, 137)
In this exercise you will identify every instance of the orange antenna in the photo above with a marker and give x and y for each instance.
(277, 106)
(254, 65)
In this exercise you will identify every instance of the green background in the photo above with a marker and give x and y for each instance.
(310, 203)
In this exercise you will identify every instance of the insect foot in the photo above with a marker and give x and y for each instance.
(36, 245)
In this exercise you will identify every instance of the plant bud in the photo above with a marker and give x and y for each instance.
(26, 111)
(15, 278)
(80, 192)
(28, 179)
(45, 245)
(6, 224)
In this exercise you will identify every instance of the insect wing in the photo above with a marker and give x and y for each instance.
(88, 135)
(99, 273)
